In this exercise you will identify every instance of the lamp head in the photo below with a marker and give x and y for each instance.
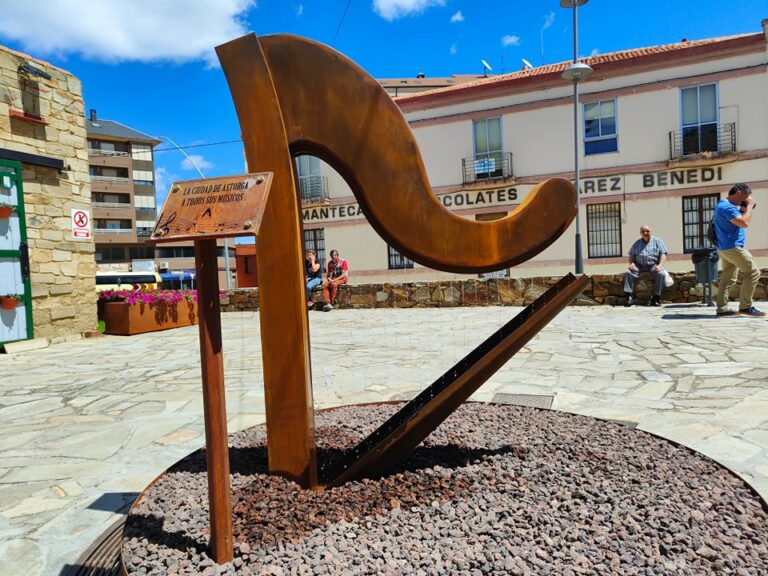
(577, 71)
(572, 3)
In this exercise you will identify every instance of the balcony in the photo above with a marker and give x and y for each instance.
(112, 153)
(702, 141)
(111, 204)
(313, 189)
(487, 167)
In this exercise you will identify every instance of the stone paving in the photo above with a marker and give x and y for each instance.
(86, 425)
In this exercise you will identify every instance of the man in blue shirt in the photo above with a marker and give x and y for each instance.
(732, 218)
(646, 255)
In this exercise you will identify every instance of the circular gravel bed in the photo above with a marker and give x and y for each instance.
(495, 490)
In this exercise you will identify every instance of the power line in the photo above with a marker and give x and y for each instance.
(199, 145)
(342, 20)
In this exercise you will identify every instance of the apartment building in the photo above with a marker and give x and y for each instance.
(664, 131)
(121, 165)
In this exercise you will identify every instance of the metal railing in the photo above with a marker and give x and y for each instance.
(113, 230)
(493, 166)
(97, 204)
(110, 179)
(112, 153)
(313, 189)
(703, 139)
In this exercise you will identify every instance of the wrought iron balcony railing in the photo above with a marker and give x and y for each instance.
(493, 166)
(703, 139)
(314, 189)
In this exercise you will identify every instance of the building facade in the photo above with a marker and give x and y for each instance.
(122, 170)
(46, 246)
(663, 133)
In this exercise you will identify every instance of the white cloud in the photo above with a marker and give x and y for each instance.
(299, 9)
(117, 31)
(511, 40)
(394, 9)
(458, 17)
(454, 49)
(595, 52)
(199, 161)
(549, 19)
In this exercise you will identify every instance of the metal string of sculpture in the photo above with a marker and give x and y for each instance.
(294, 96)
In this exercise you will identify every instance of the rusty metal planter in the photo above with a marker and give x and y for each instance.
(126, 319)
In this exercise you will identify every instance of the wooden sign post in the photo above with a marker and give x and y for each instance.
(204, 210)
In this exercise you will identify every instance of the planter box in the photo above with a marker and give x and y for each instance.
(127, 319)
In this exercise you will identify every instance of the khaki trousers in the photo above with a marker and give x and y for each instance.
(736, 259)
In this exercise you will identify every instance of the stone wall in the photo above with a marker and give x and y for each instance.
(62, 269)
(604, 290)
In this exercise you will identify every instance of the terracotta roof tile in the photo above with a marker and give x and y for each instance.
(594, 61)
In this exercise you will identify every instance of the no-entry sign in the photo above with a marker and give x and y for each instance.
(81, 224)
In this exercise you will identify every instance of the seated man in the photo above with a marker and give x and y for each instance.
(647, 254)
(336, 275)
(313, 275)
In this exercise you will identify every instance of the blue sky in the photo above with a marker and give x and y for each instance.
(150, 63)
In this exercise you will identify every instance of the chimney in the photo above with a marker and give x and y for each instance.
(764, 24)
(93, 115)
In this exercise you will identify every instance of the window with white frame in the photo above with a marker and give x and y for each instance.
(488, 148)
(699, 118)
(143, 177)
(600, 134)
(310, 178)
(141, 152)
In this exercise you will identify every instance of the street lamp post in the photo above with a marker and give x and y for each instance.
(575, 72)
(196, 167)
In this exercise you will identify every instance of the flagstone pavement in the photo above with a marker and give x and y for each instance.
(85, 425)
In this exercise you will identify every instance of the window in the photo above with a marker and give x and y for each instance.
(699, 119)
(488, 150)
(109, 224)
(144, 201)
(697, 212)
(106, 198)
(315, 240)
(220, 252)
(604, 230)
(107, 172)
(141, 152)
(397, 261)
(247, 264)
(600, 127)
(311, 182)
(141, 252)
(176, 252)
(143, 177)
(109, 253)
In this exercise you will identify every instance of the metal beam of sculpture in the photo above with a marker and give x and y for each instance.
(294, 96)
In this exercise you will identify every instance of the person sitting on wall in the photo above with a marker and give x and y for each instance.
(647, 254)
(313, 275)
(336, 275)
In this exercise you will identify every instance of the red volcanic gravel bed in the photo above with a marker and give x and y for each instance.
(495, 490)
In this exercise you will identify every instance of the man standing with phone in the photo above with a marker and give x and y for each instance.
(732, 218)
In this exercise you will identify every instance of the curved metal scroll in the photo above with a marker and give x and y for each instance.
(334, 110)
(295, 96)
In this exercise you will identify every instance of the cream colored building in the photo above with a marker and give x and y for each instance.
(663, 132)
(45, 258)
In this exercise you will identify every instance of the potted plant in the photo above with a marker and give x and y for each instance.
(9, 301)
(6, 210)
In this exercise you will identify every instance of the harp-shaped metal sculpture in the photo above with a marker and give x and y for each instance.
(295, 96)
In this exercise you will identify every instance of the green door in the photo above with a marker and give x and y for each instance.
(15, 321)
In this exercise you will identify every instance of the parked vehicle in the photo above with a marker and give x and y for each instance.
(118, 280)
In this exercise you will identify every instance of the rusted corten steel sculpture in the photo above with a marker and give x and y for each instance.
(294, 96)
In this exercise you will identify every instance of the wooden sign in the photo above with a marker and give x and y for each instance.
(213, 208)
